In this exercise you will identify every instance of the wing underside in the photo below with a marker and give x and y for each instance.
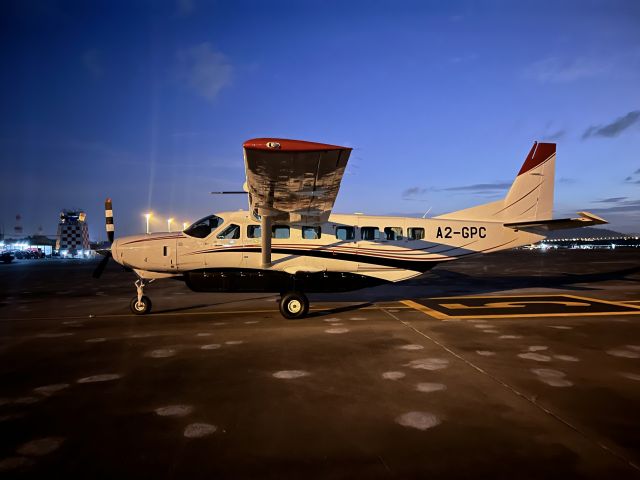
(293, 181)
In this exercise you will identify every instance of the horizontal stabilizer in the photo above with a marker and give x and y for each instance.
(586, 219)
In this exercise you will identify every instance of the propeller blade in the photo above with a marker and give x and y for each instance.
(108, 216)
(97, 273)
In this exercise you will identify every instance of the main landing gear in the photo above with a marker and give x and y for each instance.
(294, 305)
(140, 304)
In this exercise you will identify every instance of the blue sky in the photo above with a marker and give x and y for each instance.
(149, 103)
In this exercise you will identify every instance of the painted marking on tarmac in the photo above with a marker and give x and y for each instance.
(530, 306)
(290, 374)
(393, 375)
(538, 357)
(623, 353)
(485, 353)
(106, 377)
(553, 378)
(337, 330)
(174, 411)
(418, 420)
(41, 446)
(48, 390)
(199, 430)
(411, 346)
(428, 387)
(428, 363)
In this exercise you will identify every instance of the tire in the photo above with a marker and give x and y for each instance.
(294, 305)
(140, 309)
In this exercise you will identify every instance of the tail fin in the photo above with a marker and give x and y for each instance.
(530, 196)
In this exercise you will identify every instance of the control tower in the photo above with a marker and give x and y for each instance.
(73, 234)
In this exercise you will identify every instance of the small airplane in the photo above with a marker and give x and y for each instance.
(290, 243)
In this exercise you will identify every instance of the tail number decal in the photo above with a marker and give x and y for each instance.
(464, 232)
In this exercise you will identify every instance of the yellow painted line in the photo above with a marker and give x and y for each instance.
(425, 310)
(443, 316)
(535, 295)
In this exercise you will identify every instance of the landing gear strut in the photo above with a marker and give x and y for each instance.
(140, 304)
(294, 305)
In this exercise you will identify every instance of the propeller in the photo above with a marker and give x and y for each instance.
(108, 214)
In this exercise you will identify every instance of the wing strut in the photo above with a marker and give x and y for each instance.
(265, 240)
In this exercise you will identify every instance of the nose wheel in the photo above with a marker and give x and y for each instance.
(140, 304)
(294, 305)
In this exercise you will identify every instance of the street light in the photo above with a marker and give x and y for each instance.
(169, 223)
(185, 225)
(147, 216)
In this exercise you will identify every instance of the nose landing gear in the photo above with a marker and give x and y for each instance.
(140, 304)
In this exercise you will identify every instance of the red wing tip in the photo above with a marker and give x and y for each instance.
(287, 145)
(539, 153)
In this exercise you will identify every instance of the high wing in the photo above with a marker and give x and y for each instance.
(293, 181)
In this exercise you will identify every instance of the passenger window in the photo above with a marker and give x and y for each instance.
(393, 233)
(254, 231)
(280, 231)
(230, 233)
(311, 233)
(345, 233)
(370, 233)
(415, 233)
(203, 227)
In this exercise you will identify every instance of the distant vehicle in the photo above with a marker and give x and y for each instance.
(289, 243)
(6, 257)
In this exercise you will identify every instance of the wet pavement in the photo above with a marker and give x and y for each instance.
(369, 386)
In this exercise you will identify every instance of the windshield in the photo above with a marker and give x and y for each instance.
(203, 227)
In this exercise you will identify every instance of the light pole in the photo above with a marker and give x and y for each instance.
(185, 225)
(169, 224)
(147, 216)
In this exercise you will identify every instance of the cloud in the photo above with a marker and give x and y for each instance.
(612, 200)
(627, 206)
(631, 179)
(567, 180)
(205, 70)
(185, 7)
(91, 61)
(552, 137)
(614, 128)
(480, 187)
(556, 70)
(413, 191)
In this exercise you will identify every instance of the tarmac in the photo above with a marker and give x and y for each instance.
(512, 365)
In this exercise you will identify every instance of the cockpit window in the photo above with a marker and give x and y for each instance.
(230, 233)
(203, 227)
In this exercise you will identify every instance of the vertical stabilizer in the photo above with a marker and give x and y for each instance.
(530, 196)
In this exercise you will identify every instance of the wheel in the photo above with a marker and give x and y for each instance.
(140, 308)
(294, 305)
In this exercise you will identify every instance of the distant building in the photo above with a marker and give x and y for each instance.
(73, 233)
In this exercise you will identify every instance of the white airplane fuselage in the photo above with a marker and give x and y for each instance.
(400, 248)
